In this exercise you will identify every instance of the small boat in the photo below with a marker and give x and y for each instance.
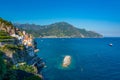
(36, 50)
(110, 44)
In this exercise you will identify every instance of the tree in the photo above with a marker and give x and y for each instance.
(33, 78)
(2, 67)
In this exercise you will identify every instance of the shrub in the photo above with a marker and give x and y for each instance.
(2, 67)
(33, 78)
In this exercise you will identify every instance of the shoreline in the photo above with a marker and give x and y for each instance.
(72, 37)
(75, 38)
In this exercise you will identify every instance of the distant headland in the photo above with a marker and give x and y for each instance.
(57, 30)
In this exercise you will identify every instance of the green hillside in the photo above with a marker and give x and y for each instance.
(59, 29)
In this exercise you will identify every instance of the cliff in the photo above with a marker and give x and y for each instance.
(17, 51)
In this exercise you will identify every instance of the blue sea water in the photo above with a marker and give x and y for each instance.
(91, 58)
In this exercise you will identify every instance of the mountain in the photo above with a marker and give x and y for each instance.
(59, 29)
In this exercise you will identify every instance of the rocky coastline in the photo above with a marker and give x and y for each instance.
(19, 50)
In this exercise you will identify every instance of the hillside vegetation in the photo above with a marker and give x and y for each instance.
(12, 54)
(60, 29)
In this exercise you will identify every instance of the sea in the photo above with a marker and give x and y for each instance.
(91, 58)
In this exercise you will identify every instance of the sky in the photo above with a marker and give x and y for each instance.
(102, 16)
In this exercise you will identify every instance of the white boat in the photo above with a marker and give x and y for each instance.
(110, 44)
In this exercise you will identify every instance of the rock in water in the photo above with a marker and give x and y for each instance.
(66, 61)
